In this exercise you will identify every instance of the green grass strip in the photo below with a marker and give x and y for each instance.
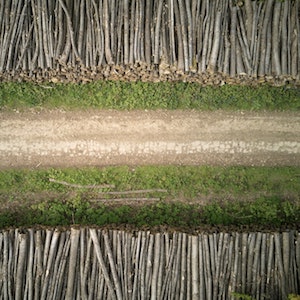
(189, 181)
(236, 196)
(140, 95)
(270, 212)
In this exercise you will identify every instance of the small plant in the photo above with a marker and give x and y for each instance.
(239, 296)
(293, 297)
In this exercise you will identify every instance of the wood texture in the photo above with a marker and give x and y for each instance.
(84, 263)
(43, 39)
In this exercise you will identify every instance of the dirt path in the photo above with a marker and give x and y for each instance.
(58, 138)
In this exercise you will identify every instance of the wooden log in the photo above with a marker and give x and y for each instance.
(175, 280)
(285, 38)
(93, 281)
(255, 266)
(263, 263)
(28, 270)
(21, 259)
(235, 274)
(265, 38)
(142, 283)
(38, 264)
(46, 33)
(157, 246)
(195, 268)
(243, 44)
(184, 32)
(168, 283)
(86, 270)
(128, 266)
(183, 275)
(202, 289)
(157, 32)
(213, 246)
(256, 37)
(279, 265)
(171, 22)
(5, 266)
(188, 268)
(297, 242)
(9, 44)
(292, 271)
(180, 51)
(216, 40)
(270, 264)
(70, 31)
(276, 61)
(56, 266)
(297, 7)
(148, 264)
(136, 265)
(71, 287)
(117, 285)
(286, 253)
(207, 267)
(229, 260)
(233, 27)
(48, 260)
(93, 38)
(120, 41)
(112, 26)
(250, 259)
(98, 251)
(163, 259)
(217, 265)
(223, 265)
(244, 261)
(107, 36)
(119, 260)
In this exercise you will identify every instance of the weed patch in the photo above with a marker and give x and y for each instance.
(144, 95)
(196, 195)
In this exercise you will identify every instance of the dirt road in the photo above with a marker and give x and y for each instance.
(62, 139)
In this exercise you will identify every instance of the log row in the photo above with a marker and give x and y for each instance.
(253, 38)
(89, 263)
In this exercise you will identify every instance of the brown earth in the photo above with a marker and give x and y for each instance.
(142, 72)
(56, 138)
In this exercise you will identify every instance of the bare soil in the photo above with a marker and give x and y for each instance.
(57, 138)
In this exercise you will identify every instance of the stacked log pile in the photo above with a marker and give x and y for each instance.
(212, 42)
(88, 263)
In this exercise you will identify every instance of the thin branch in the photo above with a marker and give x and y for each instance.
(79, 186)
(126, 199)
(133, 192)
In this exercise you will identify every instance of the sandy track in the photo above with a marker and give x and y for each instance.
(98, 138)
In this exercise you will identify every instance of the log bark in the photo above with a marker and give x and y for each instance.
(71, 286)
(79, 39)
(263, 63)
(100, 258)
(107, 41)
(112, 264)
(157, 246)
(157, 33)
(276, 39)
